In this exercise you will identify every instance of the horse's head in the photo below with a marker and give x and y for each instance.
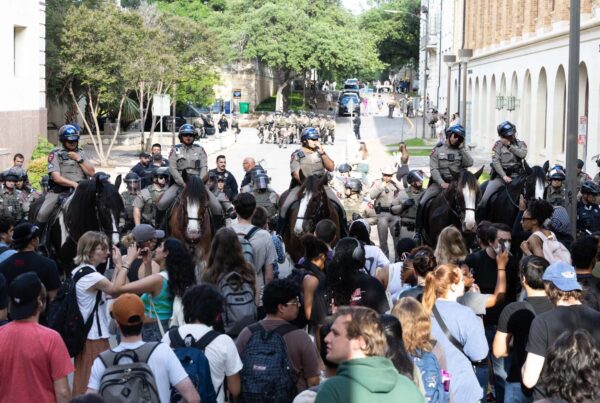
(467, 197)
(195, 201)
(312, 201)
(535, 183)
(109, 207)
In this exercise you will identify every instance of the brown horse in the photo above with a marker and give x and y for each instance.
(190, 220)
(311, 206)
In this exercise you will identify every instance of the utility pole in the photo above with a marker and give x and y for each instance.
(572, 115)
(426, 41)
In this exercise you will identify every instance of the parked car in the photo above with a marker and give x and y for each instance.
(343, 102)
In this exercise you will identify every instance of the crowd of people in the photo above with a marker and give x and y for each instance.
(497, 319)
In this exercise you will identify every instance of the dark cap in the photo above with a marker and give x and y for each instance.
(24, 233)
(23, 293)
(145, 154)
(146, 232)
(128, 309)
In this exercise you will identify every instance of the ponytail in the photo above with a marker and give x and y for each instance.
(429, 295)
(437, 284)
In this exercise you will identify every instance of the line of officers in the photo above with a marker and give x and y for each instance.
(17, 194)
(286, 128)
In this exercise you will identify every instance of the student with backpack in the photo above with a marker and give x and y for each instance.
(542, 242)
(134, 370)
(212, 355)
(6, 230)
(235, 279)
(279, 359)
(262, 248)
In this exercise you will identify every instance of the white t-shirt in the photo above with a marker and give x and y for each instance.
(86, 298)
(374, 258)
(163, 362)
(221, 353)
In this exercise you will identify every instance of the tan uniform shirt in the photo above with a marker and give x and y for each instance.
(59, 161)
(383, 193)
(193, 159)
(446, 162)
(308, 162)
(507, 159)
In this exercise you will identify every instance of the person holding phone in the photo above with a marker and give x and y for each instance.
(311, 158)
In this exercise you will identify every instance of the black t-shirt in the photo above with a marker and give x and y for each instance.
(3, 292)
(24, 262)
(485, 272)
(548, 326)
(591, 290)
(516, 319)
(368, 291)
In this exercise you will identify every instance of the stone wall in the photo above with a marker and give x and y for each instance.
(20, 131)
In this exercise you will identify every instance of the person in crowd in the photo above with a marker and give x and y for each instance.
(348, 284)
(262, 244)
(157, 150)
(560, 224)
(35, 362)
(383, 192)
(18, 160)
(416, 334)
(423, 262)
(11, 198)
(356, 122)
(3, 301)
(537, 219)
(361, 162)
(146, 239)
(248, 164)
(396, 351)
(570, 374)
(450, 247)
(231, 186)
(374, 256)
(145, 204)
(223, 124)
(581, 175)
(555, 191)
(282, 304)
(144, 169)
(128, 312)
(133, 184)
(159, 290)
(562, 288)
(406, 201)
(357, 343)
(393, 275)
(583, 254)
(514, 323)
(7, 224)
(26, 239)
(588, 210)
(226, 256)
(202, 304)
(314, 283)
(458, 330)
(310, 159)
(260, 219)
(326, 231)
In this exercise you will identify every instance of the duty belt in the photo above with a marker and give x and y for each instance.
(384, 210)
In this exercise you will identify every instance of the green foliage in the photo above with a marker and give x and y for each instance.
(36, 169)
(42, 149)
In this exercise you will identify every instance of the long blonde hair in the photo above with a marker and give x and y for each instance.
(450, 246)
(416, 325)
(438, 282)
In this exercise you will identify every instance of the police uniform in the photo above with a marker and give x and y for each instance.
(268, 199)
(408, 214)
(588, 217)
(28, 196)
(128, 198)
(146, 200)
(507, 160)
(59, 161)
(309, 162)
(554, 196)
(231, 186)
(261, 127)
(445, 164)
(383, 194)
(195, 161)
(331, 129)
(11, 204)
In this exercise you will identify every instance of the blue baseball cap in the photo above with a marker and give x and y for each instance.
(563, 276)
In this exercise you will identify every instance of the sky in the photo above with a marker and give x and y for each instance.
(356, 6)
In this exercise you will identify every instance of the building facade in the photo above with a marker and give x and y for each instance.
(22, 77)
(519, 70)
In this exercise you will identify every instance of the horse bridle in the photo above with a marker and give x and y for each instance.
(112, 231)
(316, 214)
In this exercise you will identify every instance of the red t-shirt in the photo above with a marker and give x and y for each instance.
(32, 357)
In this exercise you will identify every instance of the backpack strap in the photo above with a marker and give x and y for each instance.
(206, 339)
(175, 338)
(251, 232)
(284, 329)
(87, 326)
(444, 328)
(145, 351)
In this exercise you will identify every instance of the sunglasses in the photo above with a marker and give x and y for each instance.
(187, 135)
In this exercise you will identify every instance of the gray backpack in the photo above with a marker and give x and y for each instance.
(239, 308)
(132, 382)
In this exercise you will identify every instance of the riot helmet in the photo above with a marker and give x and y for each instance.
(354, 185)
(457, 130)
(557, 173)
(261, 181)
(68, 133)
(589, 187)
(415, 175)
(132, 180)
(506, 129)
(344, 168)
(309, 133)
(187, 130)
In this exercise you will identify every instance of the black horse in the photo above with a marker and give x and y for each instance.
(503, 206)
(94, 206)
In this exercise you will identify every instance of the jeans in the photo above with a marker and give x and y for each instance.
(514, 394)
(499, 365)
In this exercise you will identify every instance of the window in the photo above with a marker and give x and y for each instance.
(19, 51)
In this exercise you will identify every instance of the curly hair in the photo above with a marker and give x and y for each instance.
(570, 368)
(226, 255)
(423, 260)
(450, 246)
(541, 211)
(343, 270)
(179, 267)
(365, 322)
(416, 325)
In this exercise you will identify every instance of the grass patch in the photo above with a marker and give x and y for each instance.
(295, 103)
(410, 143)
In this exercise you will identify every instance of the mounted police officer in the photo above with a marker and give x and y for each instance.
(193, 159)
(67, 166)
(133, 184)
(588, 211)
(310, 159)
(11, 203)
(145, 202)
(508, 155)
(446, 162)
(405, 204)
(555, 191)
(383, 192)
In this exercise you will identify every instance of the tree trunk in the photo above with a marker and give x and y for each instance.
(118, 123)
(142, 121)
(83, 116)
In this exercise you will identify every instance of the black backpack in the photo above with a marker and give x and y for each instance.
(64, 316)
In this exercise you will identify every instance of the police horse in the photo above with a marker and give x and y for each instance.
(312, 205)
(453, 206)
(190, 220)
(503, 206)
(94, 206)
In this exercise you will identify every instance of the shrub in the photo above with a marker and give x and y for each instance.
(42, 149)
(38, 166)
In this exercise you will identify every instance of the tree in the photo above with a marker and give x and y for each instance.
(98, 55)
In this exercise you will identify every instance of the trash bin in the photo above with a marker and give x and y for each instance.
(244, 107)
